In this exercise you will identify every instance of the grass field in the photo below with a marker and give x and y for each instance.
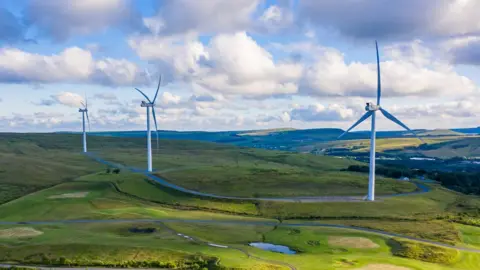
(70, 186)
(100, 244)
(439, 147)
(231, 171)
(385, 144)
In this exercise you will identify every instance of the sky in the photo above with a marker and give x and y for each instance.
(237, 65)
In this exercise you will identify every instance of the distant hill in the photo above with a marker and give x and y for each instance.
(468, 130)
(463, 147)
(264, 132)
(285, 138)
(440, 132)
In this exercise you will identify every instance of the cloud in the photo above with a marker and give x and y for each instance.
(411, 71)
(106, 96)
(45, 102)
(208, 17)
(453, 109)
(72, 65)
(319, 113)
(61, 19)
(465, 50)
(34, 121)
(275, 18)
(64, 98)
(231, 64)
(384, 19)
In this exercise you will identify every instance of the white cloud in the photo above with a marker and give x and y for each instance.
(276, 18)
(452, 109)
(167, 98)
(62, 19)
(231, 64)
(69, 99)
(72, 65)
(321, 113)
(410, 72)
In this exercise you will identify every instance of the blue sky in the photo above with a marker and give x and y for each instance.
(244, 64)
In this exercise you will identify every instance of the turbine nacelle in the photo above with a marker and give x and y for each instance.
(147, 104)
(83, 110)
(372, 107)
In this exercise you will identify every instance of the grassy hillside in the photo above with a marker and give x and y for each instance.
(76, 193)
(466, 147)
(227, 170)
(110, 196)
(32, 162)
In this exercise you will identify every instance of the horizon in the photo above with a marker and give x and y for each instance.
(265, 64)
(240, 130)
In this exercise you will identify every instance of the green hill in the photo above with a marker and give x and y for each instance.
(70, 186)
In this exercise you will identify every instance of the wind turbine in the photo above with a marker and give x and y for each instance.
(148, 105)
(84, 112)
(371, 111)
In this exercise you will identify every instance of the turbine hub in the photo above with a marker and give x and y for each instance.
(146, 104)
(372, 107)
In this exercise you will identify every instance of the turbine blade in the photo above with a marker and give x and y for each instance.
(379, 85)
(83, 104)
(363, 118)
(158, 88)
(398, 122)
(143, 94)
(88, 121)
(155, 121)
(86, 101)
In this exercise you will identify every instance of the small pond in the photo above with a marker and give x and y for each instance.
(274, 248)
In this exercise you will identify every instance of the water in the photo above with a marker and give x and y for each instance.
(274, 248)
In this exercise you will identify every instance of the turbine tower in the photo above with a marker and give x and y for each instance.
(148, 105)
(371, 111)
(84, 112)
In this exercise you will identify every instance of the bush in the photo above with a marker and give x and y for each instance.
(423, 252)
(116, 171)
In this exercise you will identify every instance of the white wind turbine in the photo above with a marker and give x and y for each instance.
(371, 111)
(84, 112)
(148, 105)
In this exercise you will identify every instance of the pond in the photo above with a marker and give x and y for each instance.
(274, 248)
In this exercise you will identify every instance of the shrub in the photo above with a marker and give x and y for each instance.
(423, 252)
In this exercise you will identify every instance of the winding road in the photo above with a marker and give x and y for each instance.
(420, 188)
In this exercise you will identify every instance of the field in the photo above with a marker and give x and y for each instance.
(435, 146)
(226, 170)
(143, 224)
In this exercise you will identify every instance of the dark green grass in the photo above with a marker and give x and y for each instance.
(34, 161)
(139, 187)
(110, 245)
(103, 201)
(230, 171)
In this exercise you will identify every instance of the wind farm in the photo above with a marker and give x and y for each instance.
(261, 199)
